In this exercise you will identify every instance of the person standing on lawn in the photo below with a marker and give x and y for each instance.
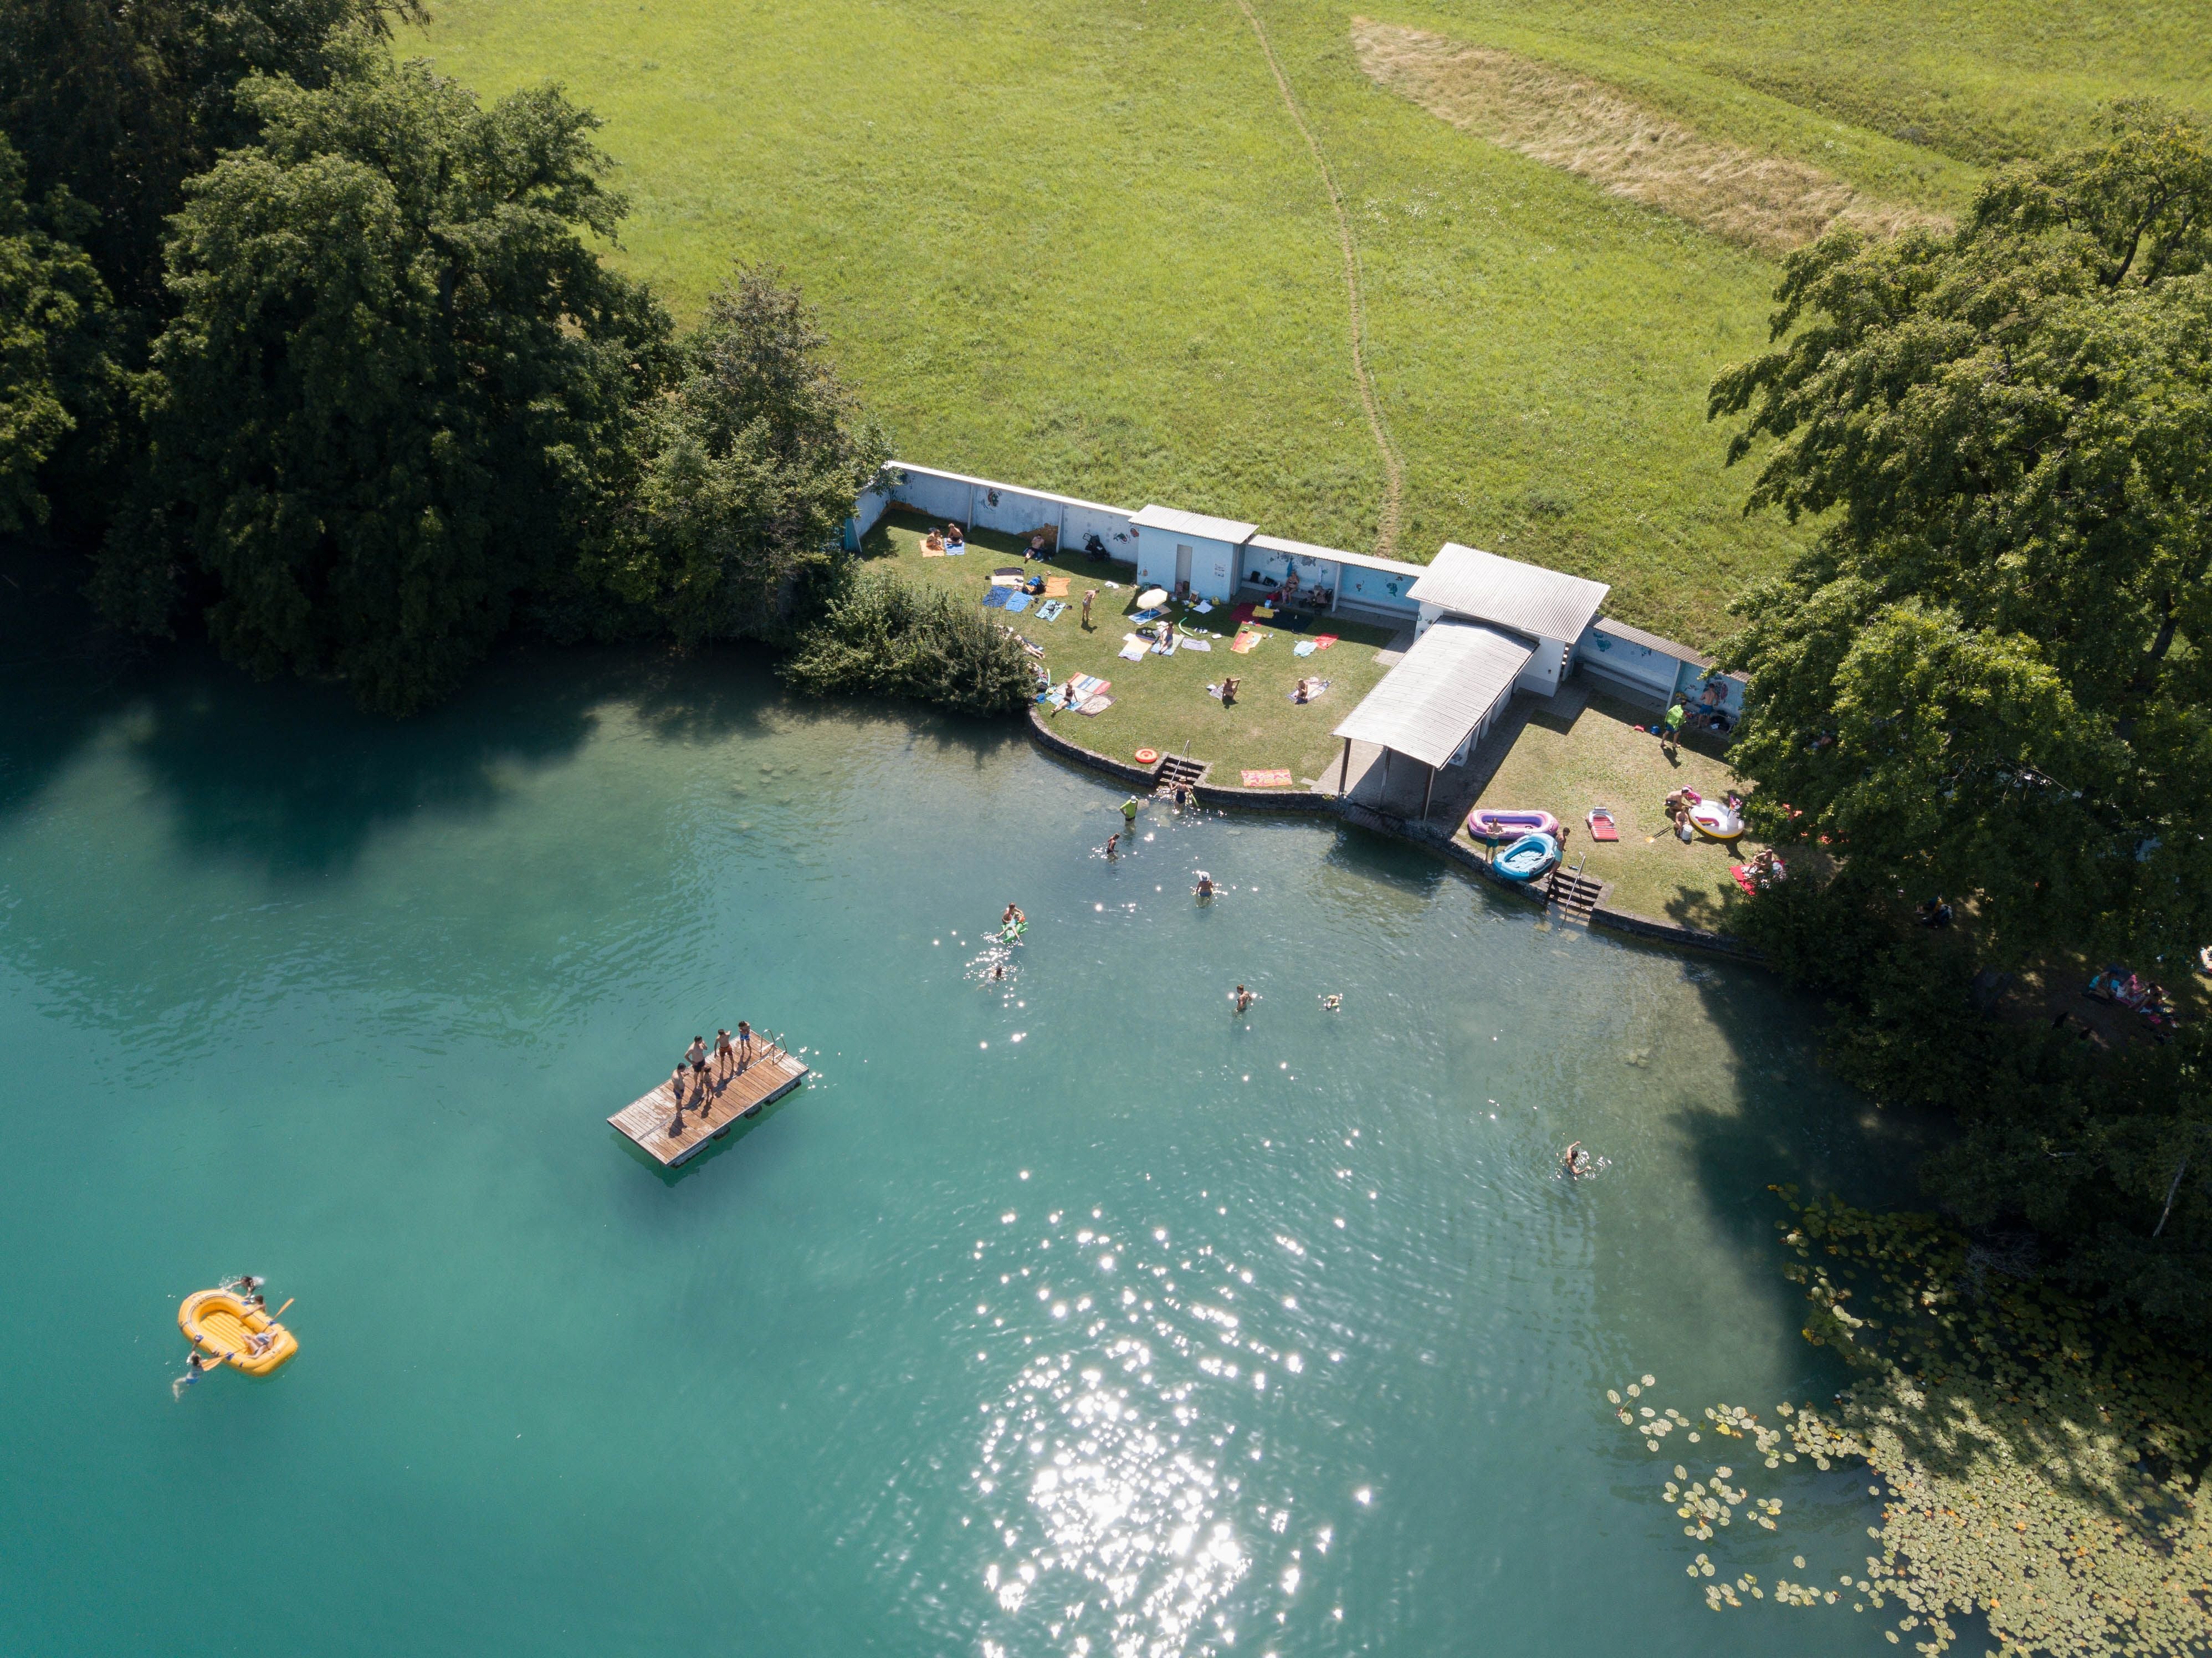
(1672, 735)
(1089, 594)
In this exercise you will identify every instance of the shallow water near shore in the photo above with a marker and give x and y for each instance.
(1063, 1313)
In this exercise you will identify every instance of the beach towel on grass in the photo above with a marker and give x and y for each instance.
(1305, 648)
(1243, 643)
(933, 552)
(1055, 586)
(1190, 644)
(1008, 579)
(1096, 705)
(997, 597)
(1313, 693)
(956, 552)
(1743, 879)
(1266, 779)
(1242, 613)
(1153, 615)
(1134, 651)
(1202, 608)
(1165, 648)
(1322, 642)
(1050, 609)
(1089, 684)
(1017, 603)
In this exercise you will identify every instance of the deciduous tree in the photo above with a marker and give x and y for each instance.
(399, 390)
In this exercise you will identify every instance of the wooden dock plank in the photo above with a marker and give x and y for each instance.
(731, 1094)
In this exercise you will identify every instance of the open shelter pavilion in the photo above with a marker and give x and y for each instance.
(1436, 705)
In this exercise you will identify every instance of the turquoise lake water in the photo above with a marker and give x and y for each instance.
(1060, 1315)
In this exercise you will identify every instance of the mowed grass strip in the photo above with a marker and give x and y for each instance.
(1160, 702)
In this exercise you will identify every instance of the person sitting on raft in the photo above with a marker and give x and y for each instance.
(1013, 917)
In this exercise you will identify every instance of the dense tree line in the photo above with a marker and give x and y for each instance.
(314, 353)
(1988, 678)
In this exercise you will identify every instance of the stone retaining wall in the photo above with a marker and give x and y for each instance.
(1446, 846)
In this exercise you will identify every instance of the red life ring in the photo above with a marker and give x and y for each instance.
(1147, 756)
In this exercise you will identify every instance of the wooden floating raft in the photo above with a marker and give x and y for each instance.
(730, 1095)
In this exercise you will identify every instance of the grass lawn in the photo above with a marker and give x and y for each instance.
(1599, 758)
(1079, 244)
(1161, 702)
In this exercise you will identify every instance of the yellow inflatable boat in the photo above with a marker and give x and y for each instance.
(219, 1322)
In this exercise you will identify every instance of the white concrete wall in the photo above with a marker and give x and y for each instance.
(1540, 678)
(969, 502)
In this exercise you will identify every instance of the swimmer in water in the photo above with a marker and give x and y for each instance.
(1575, 1163)
(1205, 887)
(197, 1365)
(998, 971)
(1330, 1004)
(1112, 841)
(1242, 999)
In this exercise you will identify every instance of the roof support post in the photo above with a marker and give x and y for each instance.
(1344, 776)
(1428, 794)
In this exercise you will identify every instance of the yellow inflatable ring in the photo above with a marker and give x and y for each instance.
(1147, 756)
(218, 1323)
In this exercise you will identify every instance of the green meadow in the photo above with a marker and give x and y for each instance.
(1083, 246)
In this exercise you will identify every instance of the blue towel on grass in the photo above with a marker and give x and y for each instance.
(1017, 602)
(997, 597)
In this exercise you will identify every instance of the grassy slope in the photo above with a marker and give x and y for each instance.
(1077, 243)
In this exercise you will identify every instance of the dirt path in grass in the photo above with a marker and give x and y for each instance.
(1394, 469)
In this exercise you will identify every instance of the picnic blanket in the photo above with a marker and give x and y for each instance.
(997, 597)
(1134, 651)
(1050, 609)
(1017, 602)
(1278, 778)
(1743, 879)
(1244, 642)
(1055, 586)
(1096, 705)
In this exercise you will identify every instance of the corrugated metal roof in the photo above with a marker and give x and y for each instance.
(1651, 641)
(1526, 598)
(1359, 561)
(1178, 522)
(1456, 673)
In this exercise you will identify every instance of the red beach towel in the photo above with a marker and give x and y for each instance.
(1322, 642)
(1266, 779)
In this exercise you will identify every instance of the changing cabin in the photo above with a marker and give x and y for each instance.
(1177, 549)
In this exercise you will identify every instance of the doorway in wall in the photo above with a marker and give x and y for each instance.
(1182, 567)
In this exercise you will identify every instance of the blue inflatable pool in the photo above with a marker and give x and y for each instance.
(1527, 858)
